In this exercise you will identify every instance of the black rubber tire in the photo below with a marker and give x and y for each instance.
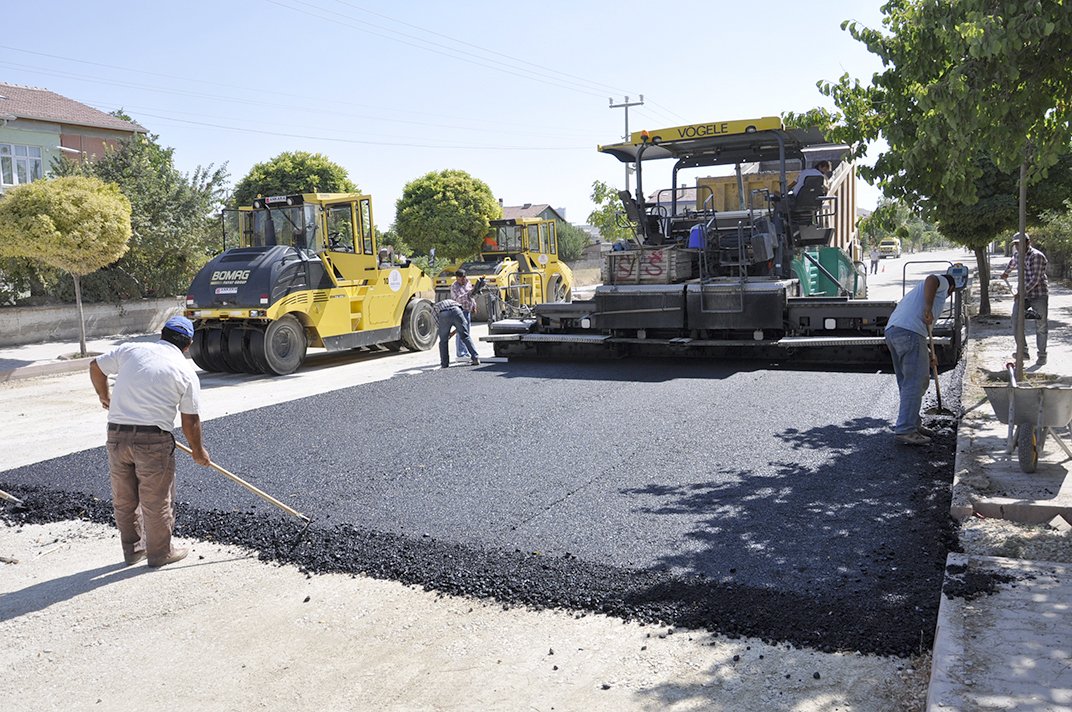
(197, 351)
(1027, 447)
(556, 291)
(419, 325)
(216, 350)
(255, 344)
(236, 352)
(281, 349)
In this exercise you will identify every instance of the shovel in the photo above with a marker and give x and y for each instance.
(937, 411)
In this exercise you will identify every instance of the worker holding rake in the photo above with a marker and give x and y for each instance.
(153, 382)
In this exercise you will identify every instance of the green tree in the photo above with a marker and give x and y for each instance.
(571, 241)
(72, 223)
(996, 212)
(609, 215)
(961, 79)
(1054, 237)
(448, 211)
(293, 172)
(175, 228)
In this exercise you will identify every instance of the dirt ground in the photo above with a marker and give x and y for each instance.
(224, 631)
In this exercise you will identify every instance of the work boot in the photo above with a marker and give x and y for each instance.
(475, 361)
(928, 432)
(178, 553)
(1041, 360)
(912, 438)
(134, 558)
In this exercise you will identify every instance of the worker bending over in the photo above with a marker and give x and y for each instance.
(907, 332)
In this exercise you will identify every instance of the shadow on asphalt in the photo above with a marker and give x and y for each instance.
(867, 526)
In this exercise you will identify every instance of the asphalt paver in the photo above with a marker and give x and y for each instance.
(722, 496)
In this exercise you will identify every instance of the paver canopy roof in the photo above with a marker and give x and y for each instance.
(24, 102)
(738, 141)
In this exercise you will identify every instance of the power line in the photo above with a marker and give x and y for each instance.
(444, 50)
(478, 47)
(231, 98)
(365, 142)
(254, 102)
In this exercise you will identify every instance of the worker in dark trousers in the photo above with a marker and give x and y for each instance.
(153, 382)
(451, 316)
(907, 334)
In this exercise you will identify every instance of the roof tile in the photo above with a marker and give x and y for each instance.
(25, 102)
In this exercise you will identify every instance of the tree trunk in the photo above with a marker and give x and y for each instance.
(983, 264)
(81, 316)
(1018, 327)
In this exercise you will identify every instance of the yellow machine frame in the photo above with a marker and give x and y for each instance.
(357, 302)
(521, 269)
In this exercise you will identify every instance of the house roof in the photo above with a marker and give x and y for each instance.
(528, 210)
(24, 102)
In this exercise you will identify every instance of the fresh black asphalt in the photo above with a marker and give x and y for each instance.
(742, 499)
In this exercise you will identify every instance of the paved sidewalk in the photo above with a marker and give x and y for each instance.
(1010, 649)
(30, 360)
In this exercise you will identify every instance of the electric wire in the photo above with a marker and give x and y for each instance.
(444, 50)
(233, 99)
(255, 102)
(242, 129)
(483, 49)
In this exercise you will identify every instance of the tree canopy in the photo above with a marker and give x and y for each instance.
(173, 217)
(448, 211)
(73, 223)
(609, 215)
(571, 241)
(962, 81)
(293, 172)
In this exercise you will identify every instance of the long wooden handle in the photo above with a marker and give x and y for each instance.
(934, 365)
(10, 497)
(255, 490)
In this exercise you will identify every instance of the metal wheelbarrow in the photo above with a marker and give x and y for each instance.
(1032, 413)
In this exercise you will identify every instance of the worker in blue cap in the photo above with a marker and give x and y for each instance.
(153, 382)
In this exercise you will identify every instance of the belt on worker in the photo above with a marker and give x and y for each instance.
(124, 428)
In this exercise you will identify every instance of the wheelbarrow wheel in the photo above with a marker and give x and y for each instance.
(1027, 447)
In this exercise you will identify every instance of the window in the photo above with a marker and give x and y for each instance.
(20, 164)
(366, 226)
(552, 242)
(340, 228)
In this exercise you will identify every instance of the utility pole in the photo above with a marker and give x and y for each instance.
(625, 105)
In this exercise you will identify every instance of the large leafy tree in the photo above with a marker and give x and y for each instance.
(609, 215)
(75, 224)
(448, 211)
(173, 217)
(961, 79)
(571, 241)
(293, 172)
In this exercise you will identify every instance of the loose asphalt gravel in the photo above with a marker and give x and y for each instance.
(718, 496)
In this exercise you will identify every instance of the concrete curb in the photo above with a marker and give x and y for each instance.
(947, 656)
(51, 368)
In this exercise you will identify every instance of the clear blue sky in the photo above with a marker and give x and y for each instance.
(516, 94)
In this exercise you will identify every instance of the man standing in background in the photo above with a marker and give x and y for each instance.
(1036, 296)
(462, 292)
